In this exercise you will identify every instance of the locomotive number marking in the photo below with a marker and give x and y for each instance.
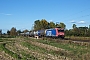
(49, 33)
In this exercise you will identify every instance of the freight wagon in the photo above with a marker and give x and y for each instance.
(41, 33)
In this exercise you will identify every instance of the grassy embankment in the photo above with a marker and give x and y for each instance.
(77, 51)
(3, 42)
(78, 38)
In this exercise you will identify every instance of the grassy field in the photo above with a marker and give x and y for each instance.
(38, 49)
(77, 38)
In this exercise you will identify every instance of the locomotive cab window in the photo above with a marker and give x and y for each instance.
(60, 30)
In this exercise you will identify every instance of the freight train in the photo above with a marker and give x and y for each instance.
(53, 33)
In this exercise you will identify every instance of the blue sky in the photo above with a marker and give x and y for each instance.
(22, 13)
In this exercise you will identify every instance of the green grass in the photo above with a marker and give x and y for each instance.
(78, 38)
(14, 55)
(5, 40)
(2, 48)
(33, 47)
(76, 50)
(38, 49)
(7, 36)
(70, 47)
(22, 53)
(26, 56)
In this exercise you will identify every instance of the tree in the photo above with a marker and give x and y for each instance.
(88, 31)
(62, 25)
(0, 32)
(52, 25)
(83, 30)
(66, 32)
(43, 24)
(57, 24)
(8, 32)
(13, 31)
(25, 31)
(18, 32)
(74, 26)
(37, 25)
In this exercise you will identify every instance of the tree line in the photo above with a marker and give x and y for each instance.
(15, 32)
(78, 31)
(38, 25)
(44, 24)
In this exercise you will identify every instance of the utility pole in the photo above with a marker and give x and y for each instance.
(57, 24)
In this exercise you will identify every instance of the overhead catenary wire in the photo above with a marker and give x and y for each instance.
(69, 16)
(80, 17)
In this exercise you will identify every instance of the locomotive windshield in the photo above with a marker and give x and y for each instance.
(60, 30)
